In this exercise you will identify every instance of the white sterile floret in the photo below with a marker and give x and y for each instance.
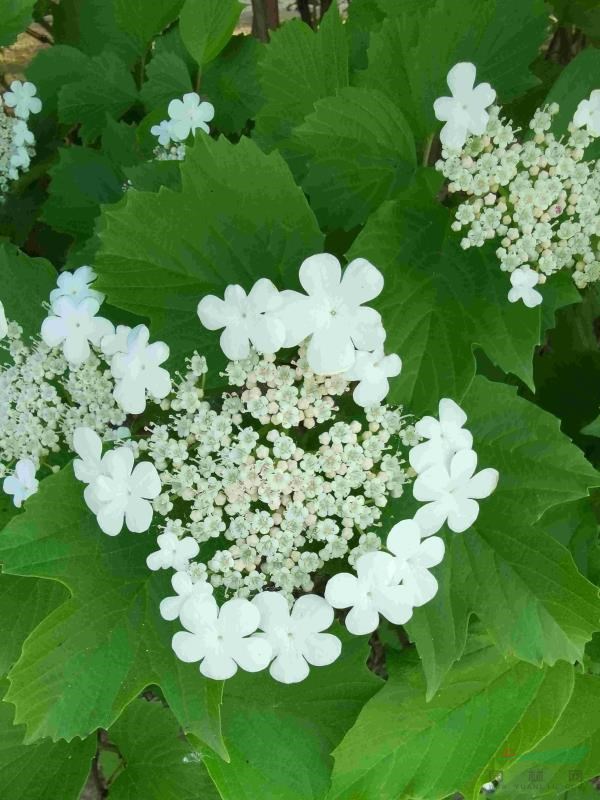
(121, 494)
(445, 436)
(88, 446)
(76, 286)
(374, 590)
(22, 483)
(220, 638)
(188, 114)
(296, 637)
(415, 556)
(75, 326)
(115, 342)
(465, 112)
(186, 588)
(138, 373)
(22, 98)
(372, 370)
(173, 552)
(3, 321)
(162, 131)
(587, 113)
(451, 493)
(245, 318)
(332, 314)
(522, 281)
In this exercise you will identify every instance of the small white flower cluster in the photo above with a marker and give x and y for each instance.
(185, 117)
(17, 142)
(540, 198)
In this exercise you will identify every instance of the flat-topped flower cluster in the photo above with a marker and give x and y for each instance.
(539, 198)
(17, 142)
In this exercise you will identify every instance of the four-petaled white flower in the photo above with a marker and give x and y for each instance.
(173, 552)
(414, 557)
(221, 638)
(186, 589)
(188, 114)
(332, 313)
(372, 370)
(445, 436)
(121, 494)
(297, 637)
(76, 286)
(245, 318)
(137, 371)
(162, 131)
(22, 483)
(465, 112)
(374, 590)
(451, 493)
(75, 325)
(588, 113)
(22, 98)
(523, 281)
(3, 321)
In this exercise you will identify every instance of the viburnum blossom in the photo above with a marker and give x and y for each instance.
(162, 131)
(186, 588)
(75, 326)
(189, 114)
(16, 140)
(138, 373)
(372, 370)
(587, 113)
(76, 286)
(296, 637)
(23, 483)
(465, 111)
(22, 99)
(522, 282)
(173, 552)
(415, 556)
(445, 436)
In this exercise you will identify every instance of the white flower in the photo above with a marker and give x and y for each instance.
(465, 112)
(372, 371)
(3, 322)
(173, 552)
(163, 132)
(21, 134)
(221, 638)
(22, 98)
(186, 589)
(122, 493)
(23, 483)
(76, 286)
(245, 318)
(187, 115)
(296, 638)
(414, 556)
(451, 493)
(88, 446)
(332, 313)
(373, 591)
(75, 326)
(588, 113)
(20, 159)
(115, 342)
(138, 372)
(523, 281)
(445, 436)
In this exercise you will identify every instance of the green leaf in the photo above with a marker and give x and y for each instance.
(41, 771)
(26, 284)
(16, 16)
(51, 69)
(403, 746)
(568, 755)
(300, 66)
(279, 737)
(82, 180)
(119, 143)
(141, 20)
(159, 763)
(410, 56)
(91, 26)
(441, 301)
(231, 83)
(575, 526)
(168, 77)
(206, 25)
(88, 100)
(360, 152)
(159, 255)
(96, 652)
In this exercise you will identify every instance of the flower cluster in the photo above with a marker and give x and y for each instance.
(539, 198)
(185, 117)
(17, 142)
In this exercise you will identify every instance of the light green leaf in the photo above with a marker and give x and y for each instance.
(403, 746)
(88, 100)
(410, 56)
(360, 152)
(16, 16)
(206, 25)
(159, 763)
(280, 737)
(96, 652)
(26, 284)
(51, 69)
(239, 217)
(142, 21)
(168, 78)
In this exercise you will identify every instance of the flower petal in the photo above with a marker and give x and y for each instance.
(312, 613)
(461, 518)
(234, 341)
(273, 609)
(289, 667)
(483, 484)
(145, 481)
(218, 666)
(238, 617)
(110, 518)
(361, 282)
(170, 607)
(394, 603)
(320, 275)
(431, 517)
(404, 539)
(341, 590)
(252, 653)
(450, 412)
(431, 552)
(188, 647)
(461, 79)
(330, 350)
(138, 515)
(361, 620)
(321, 649)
